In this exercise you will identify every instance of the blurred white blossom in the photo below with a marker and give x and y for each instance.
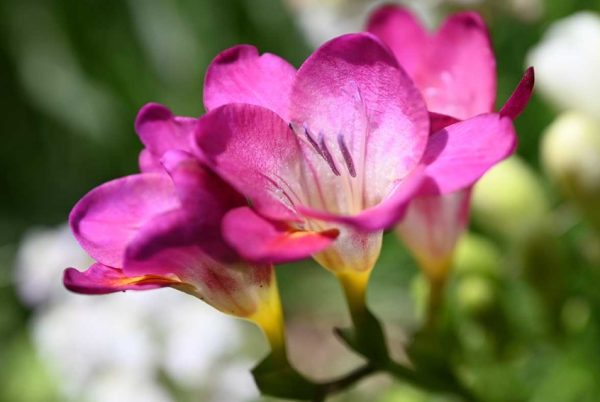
(324, 20)
(567, 62)
(115, 348)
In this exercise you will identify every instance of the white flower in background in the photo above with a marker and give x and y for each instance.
(42, 256)
(114, 348)
(321, 20)
(567, 63)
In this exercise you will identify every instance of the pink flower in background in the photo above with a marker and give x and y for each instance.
(153, 230)
(339, 146)
(455, 70)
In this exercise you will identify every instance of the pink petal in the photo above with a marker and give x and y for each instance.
(459, 77)
(520, 96)
(109, 216)
(403, 33)
(200, 190)
(241, 75)
(233, 288)
(204, 198)
(431, 228)
(149, 163)
(455, 69)
(255, 151)
(100, 279)
(161, 131)
(261, 240)
(365, 113)
(461, 153)
(439, 121)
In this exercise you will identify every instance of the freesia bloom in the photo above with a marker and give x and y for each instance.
(455, 70)
(153, 230)
(338, 147)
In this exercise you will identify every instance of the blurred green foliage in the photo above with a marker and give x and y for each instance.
(74, 74)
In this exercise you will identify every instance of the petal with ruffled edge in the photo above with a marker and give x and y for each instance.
(241, 75)
(109, 216)
(461, 153)
(455, 69)
(261, 240)
(99, 279)
(161, 131)
(364, 122)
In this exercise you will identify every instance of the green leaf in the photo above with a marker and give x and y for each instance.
(276, 377)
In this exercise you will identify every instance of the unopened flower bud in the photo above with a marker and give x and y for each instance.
(509, 199)
(475, 295)
(571, 157)
(476, 255)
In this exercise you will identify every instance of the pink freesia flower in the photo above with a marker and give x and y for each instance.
(455, 70)
(153, 230)
(339, 146)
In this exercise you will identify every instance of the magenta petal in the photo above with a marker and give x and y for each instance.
(204, 198)
(359, 104)
(109, 216)
(459, 76)
(520, 96)
(201, 191)
(100, 279)
(241, 75)
(149, 163)
(255, 151)
(260, 240)
(461, 153)
(161, 131)
(439, 121)
(403, 33)
(432, 227)
(383, 215)
(455, 69)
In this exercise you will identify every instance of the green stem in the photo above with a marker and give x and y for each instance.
(435, 302)
(336, 386)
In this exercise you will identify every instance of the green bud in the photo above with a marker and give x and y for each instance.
(475, 295)
(404, 393)
(476, 255)
(571, 157)
(575, 314)
(509, 199)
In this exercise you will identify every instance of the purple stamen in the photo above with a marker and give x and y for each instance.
(346, 155)
(327, 155)
(312, 141)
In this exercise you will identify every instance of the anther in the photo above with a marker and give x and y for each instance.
(327, 155)
(346, 154)
(312, 142)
